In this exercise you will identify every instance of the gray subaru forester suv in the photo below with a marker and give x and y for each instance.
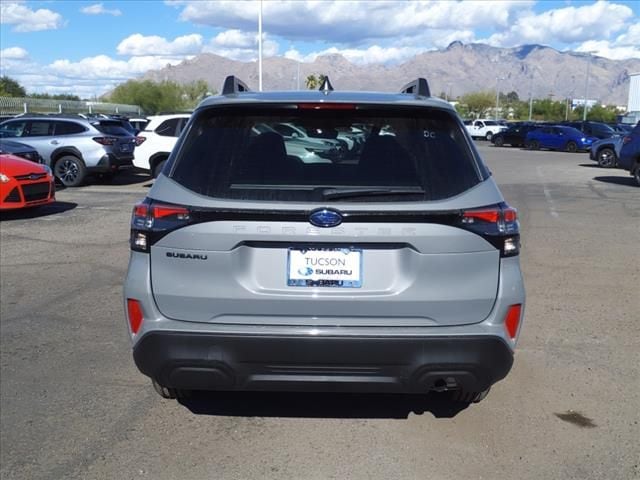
(394, 270)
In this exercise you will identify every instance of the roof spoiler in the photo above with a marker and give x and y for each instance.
(233, 85)
(419, 87)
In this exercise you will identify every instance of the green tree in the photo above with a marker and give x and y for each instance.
(194, 92)
(598, 113)
(549, 110)
(477, 103)
(11, 88)
(312, 82)
(153, 97)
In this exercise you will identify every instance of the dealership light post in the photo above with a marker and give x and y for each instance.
(586, 88)
(260, 47)
(498, 95)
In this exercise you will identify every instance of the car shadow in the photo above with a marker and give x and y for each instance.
(37, 212)
(122, 178)
(321, 405)
(589, 165)
(627, 181)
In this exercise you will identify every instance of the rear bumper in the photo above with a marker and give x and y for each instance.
(210, 361)
(111, 163)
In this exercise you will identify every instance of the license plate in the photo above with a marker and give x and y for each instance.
(126, 147)
(324, 267)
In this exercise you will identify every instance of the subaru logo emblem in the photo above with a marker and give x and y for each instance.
(325, 218)
(305, 271)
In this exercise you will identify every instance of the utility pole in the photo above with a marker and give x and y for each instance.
(531, 97)
(260, 48)
(497, 96)
(586, 88)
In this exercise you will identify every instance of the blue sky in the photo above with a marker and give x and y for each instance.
(88, 47)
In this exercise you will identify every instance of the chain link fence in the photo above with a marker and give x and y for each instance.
(17, 105)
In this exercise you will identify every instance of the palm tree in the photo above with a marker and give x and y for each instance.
(311, 82)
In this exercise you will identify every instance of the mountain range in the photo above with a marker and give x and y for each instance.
(453, 71)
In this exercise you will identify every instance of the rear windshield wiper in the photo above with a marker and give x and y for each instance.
(335, 193)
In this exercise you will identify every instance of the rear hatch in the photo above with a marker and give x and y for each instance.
(120, 141)
(241, 233)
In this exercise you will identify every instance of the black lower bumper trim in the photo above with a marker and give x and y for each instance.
(201, 361)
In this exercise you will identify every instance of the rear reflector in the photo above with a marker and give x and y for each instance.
(134, 312)
(512, 321)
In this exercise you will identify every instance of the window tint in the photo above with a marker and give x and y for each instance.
(111, 127)
(168, 128)
(239, 153)
(13, 129)
(68, 128)
(40, 128)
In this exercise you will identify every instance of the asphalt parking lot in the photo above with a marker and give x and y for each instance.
(73, 404)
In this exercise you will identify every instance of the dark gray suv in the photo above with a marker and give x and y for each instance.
(393, 270)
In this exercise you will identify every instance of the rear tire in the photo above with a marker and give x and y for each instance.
(533, 145)
(636, 174)
(70, 170)
(571, 147)
(488, 136)
(157, 169)
(606, 158)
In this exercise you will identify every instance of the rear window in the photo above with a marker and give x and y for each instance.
(111, 127)
(387, 154)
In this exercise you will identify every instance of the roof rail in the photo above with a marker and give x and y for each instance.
(419, 87)
(233, 84)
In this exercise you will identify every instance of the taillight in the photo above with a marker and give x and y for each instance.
(134, 314)
(512, 321)
(140, 140)
(151, 221)
(105, 140)
(497, 224)
(626, 139)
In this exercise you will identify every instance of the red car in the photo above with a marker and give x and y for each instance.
(24, 183)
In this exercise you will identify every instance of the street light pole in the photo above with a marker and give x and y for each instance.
(260, 48)
(531, 97)
(586, 88)
(497, 95)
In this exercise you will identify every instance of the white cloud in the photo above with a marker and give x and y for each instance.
(98, 9)
(567, 25)
(105, 68)
(373, 54)
(626, 45)
(14, 53)
(607, 50)
(351, 23)
(240, 45)
(25, 19)
(140, 45)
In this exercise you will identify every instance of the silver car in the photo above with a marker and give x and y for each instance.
(397, 271)
(74, 146)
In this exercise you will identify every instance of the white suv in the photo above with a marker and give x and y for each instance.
(157, 140)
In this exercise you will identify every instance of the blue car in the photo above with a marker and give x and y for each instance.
(630, 153)
(558, 138)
